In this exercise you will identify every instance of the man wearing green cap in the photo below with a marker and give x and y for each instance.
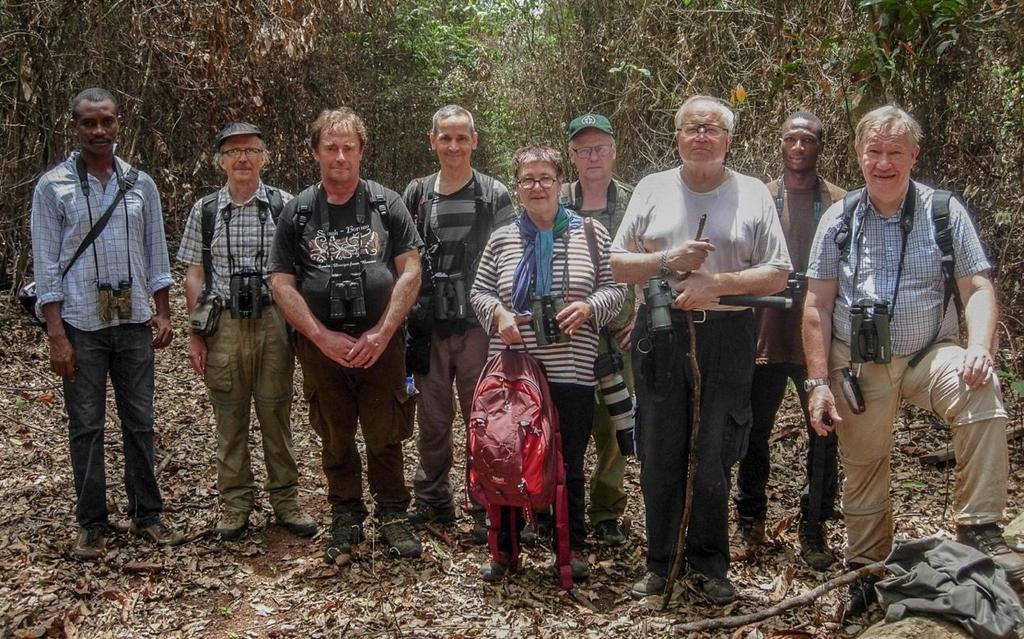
(597, 194)
(247, 357)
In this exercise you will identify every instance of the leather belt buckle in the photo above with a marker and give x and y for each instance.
(703, 317)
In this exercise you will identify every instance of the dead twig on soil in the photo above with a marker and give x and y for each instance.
(808, 597)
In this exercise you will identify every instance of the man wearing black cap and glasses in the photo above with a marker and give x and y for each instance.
(239, 342)
(100, 252)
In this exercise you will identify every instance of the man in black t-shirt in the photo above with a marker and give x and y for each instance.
(345, 271)
(456, 209)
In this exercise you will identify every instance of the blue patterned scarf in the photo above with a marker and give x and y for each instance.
(538, 256)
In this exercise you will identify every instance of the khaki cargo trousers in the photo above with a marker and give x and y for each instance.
(249, 361)
(977, 421)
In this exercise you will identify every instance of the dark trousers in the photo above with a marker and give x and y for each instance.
(725, 355)
(575, 404)
(821, 464)
(340, 399)
(125, 353)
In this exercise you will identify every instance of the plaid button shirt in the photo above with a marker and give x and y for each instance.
(875, 242)
(61, 220)
(239, 223)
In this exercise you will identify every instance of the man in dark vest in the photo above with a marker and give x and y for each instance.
(247, 359)
(801, 197)
(599, 195)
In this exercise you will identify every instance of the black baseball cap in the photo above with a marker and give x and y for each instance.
(237, 128)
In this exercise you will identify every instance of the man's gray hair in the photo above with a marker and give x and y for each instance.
(451, 111)
(889, 117)
(726, 114)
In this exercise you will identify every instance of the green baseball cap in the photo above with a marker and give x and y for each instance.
(590, 121)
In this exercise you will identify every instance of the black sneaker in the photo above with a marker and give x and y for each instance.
(609, 532)
(91, 543)
(814, 549)
(988, 538)
(398, 535)
(718, 590)
(860, 595)
(494, 570)
(427, 514)
(346, 531)
(650, 584)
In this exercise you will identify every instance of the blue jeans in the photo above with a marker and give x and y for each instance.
(126, 353)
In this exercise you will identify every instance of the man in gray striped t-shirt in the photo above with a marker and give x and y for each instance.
(455, 209)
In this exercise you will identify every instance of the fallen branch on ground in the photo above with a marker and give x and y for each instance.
(808, 597)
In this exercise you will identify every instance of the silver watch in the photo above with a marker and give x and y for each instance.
(813, 382)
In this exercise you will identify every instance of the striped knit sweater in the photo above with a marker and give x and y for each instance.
(567, 363)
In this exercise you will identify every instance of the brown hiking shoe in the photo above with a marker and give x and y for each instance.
(158, 533)
(296, 520)
(814, 549)
(90, 544)
(232, 524)
(988, 538)
(744, 542)
(398, 535)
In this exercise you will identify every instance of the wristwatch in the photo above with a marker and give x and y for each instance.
(813, 382)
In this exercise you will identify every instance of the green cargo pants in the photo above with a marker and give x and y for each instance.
(249, 360)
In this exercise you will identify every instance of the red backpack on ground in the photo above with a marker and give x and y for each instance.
(515, 451)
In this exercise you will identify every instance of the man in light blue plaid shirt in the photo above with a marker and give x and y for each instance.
(98, 318)
(248, 358)
(887, 248)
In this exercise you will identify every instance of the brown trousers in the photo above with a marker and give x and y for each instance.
(375, 398)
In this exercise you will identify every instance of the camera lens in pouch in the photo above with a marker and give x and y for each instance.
(658, 298)
(851, 391)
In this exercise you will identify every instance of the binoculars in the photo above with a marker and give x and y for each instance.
(658, 297)
(116, 301)
(869, 332)
(247, 296)
(449, 296)
(544, 310)
(347, 301)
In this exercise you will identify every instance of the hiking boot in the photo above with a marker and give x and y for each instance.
(346, 531)
(988, 538)
(534, 535)
(401, 542)
(718, 590)
(90, 544)
(158, 533)
(748, 537)
(650, 584)
(609, 532)
(295, 520)
(814, 550)
(232, 524)
(860, 595)
(579, 565)
(427, 514)
(479, 526)
(495, 570)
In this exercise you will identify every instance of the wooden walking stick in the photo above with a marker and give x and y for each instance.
(691, 448)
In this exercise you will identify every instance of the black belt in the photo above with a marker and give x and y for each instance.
(701, 316)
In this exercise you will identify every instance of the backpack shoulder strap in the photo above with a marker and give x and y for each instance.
(842, 238)
(377, 200)
(276, 203)
(588, 230)
(305, 206)
(944, 240)
(209, 211)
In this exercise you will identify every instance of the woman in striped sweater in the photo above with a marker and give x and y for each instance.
(544, 256)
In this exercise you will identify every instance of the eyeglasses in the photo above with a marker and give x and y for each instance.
(529, 183)
(587, 152)
(251, 152)
(712, 131)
